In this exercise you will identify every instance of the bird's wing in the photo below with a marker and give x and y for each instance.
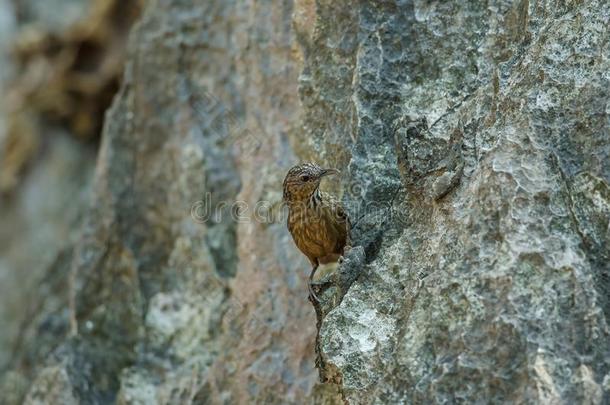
(341, 217)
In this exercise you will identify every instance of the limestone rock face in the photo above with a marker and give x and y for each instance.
(473, 140)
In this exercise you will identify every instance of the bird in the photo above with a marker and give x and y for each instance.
(317, 221)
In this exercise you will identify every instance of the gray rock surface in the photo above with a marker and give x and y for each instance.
(473, 140)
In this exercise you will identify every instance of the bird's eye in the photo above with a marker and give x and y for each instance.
(304, 177)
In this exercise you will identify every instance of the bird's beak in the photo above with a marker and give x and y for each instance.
(329, 172)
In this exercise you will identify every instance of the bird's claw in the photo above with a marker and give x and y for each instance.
(312, 295)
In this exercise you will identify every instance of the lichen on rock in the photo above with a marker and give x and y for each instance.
(473, 142)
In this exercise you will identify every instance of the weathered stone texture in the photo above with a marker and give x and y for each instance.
(474, 142)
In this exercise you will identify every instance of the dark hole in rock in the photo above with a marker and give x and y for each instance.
(88, 57)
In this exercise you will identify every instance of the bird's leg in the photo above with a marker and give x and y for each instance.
(312, 295)
(346, 249)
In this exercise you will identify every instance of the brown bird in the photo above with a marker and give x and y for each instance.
(317, 222)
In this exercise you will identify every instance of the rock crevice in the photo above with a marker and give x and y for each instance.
(472, 139)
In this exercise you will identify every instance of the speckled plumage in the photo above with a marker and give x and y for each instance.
(316, 220)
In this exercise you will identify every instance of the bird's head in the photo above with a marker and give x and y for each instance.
(303, 180)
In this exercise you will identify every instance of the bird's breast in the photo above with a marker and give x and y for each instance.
(313, 231)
